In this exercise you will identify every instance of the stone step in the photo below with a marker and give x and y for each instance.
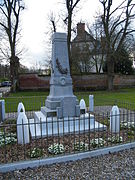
(51, 126)
(52, 104)
(48, 112)
(35, 129)
(39, 116)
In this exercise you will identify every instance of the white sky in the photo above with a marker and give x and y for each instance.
(35, 24)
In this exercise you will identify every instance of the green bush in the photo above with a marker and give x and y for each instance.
(36, 152)
(80, 146)
(56, 149)
(7, 139)
(98, 142)
(115, 139)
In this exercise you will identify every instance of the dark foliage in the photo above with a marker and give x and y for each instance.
(123, 64)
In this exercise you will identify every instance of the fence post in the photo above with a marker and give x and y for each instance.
(23, 136)
(91, 103)
(20, 107)
(2, 110)
(82, 106)
(115, 120)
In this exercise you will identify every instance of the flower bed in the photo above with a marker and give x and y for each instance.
(11, 151)
(68, 144)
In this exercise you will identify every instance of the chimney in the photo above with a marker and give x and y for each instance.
(80, 28)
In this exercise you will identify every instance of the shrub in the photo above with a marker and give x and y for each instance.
(80, 146)
(115, 139)
(128, 125)
(7, 139)
(56, 149)
(36, 152)
(97, 142)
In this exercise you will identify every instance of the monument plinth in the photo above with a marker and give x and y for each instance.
(61, 101)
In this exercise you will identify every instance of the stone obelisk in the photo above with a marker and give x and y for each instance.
(61, 101)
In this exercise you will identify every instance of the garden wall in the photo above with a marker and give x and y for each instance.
(93, 81)
(33, 81)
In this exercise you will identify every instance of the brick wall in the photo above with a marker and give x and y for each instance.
(33, 81)
(93, 81)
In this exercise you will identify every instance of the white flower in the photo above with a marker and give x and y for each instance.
(6, 139)
(36, 152)
(56, 148)
(80, 146)
(115, 139)
(128, 124)
(97, 142)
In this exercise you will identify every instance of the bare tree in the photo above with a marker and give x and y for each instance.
(98, 45)
(117, 27)
(70, 5)
(81, 59)
(53, 19)
(10, 15)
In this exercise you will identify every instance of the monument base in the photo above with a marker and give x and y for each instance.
(48, 112)
(63, 106)
(42, 126)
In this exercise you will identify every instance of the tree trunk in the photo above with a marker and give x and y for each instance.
(69, 38)
(110, 72)
(110, 82)
(14, 73)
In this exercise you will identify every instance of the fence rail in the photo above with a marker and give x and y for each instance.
(55, 137)
(65, 136)
(34, 103)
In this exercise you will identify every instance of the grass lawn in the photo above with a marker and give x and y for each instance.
(33, 100)
(104, 97)
(28, 93)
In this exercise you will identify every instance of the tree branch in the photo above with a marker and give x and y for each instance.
(118, 7)
(3, 11)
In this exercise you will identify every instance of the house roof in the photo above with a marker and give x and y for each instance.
(82, 34)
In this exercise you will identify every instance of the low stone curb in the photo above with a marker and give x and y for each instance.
(36, 163)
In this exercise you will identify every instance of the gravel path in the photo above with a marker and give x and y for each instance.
(119, 165)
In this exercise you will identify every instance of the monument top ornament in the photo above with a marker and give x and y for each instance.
(61, 100)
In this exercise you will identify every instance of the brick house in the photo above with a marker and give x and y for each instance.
(85, 51)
